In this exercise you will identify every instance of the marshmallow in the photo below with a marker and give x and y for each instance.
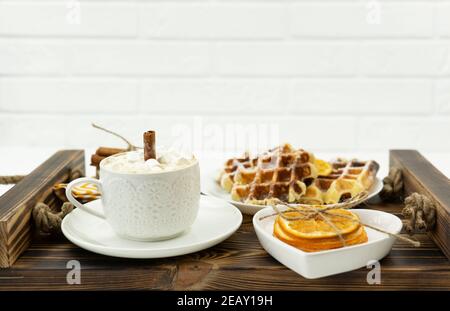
(133, 162)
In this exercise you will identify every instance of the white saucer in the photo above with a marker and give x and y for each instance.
(210, 187)
(329, 262)
(216, 221)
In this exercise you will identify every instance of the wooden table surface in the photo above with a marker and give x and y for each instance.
(238, 263)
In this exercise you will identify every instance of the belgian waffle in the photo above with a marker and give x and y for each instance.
(346, 180)
(282, 173)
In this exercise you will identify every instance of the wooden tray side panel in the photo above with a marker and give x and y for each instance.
(4, 259)
(420, 176)
(16, 205)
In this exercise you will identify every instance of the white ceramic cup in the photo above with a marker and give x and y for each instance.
(148, 206)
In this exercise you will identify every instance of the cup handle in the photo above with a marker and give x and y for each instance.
(75, 202)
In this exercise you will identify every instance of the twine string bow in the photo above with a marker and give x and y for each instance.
(306, 211)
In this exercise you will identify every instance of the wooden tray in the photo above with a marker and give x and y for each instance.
(238, 263)
(419, 175)
(16, 204)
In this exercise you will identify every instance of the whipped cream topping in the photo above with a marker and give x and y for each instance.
(133, 162)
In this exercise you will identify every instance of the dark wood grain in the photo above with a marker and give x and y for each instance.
(16, 204)
(419, 175)
(238, 263)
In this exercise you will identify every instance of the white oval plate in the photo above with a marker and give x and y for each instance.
(210, 187)
(320, 264)
(216, 221)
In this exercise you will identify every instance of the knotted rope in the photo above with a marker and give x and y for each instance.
(392, 185)
(11, 179)
(46, 219)
(420, 213)
(419, 210)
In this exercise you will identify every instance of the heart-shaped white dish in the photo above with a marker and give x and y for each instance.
(329, 262)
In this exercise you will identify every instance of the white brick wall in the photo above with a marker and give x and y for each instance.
(326, 75)
(213, 21)
(343, 19)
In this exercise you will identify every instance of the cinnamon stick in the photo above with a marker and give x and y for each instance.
(96, 159)
(149, 145)
(108, 151)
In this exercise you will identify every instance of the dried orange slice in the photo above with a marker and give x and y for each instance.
(317, 227)
(313, 245)
(323, 167)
